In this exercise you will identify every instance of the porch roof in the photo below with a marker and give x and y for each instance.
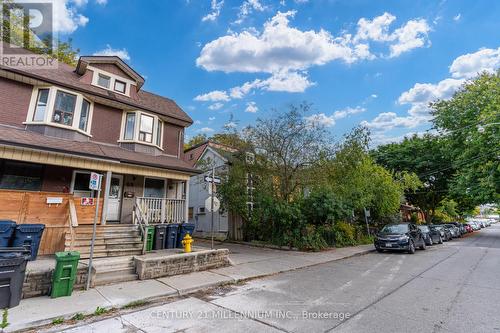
(18, 137)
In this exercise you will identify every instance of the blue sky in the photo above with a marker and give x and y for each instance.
(377, 63)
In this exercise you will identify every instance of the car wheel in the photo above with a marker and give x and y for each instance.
(411, 247)
(423, 247)
(440, 240)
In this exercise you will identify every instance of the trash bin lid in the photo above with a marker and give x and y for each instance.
(30, 227)
(67, 256)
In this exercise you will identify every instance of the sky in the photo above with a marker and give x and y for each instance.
(229, 62)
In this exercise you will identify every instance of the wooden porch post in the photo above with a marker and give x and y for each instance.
(106, 198)
(186, 201)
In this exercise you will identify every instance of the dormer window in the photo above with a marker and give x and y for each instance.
(120, 86)
(103, 81)
(142, 128)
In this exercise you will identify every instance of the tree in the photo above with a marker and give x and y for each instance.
(427, 157)
(15, 30)
(288, 145)
(470, 124)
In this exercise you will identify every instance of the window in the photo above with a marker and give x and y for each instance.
(64, 108)
(103, 81)
(20, 176)
(120, 86)
(146, 128)
(158, 133)
(41, 105)
(81, 185)
(129, 126)
(84, 115)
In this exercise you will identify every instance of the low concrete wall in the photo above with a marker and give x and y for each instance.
(183, 263)
(39, 283)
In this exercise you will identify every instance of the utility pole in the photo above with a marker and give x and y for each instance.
(212, 207)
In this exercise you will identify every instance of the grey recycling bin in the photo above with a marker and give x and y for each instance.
(159, 238)
(12, 270)
(171, 238)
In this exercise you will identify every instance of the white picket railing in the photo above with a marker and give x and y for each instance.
(162, 210)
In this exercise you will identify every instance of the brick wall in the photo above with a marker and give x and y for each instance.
(14, 101)
(156, 267)
(106, 124)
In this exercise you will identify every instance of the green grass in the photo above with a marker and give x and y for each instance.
(134, 304)
(58, 321)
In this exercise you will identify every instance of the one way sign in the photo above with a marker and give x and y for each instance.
(215, 180)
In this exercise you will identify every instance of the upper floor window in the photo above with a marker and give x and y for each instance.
(120, 86)
(104, 81)
(59, 107)
(64, 108)
(143, 128)
(41, 105)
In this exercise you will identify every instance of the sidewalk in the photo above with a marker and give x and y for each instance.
(247, 263)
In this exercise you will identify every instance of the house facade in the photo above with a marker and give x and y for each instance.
(59, 125)
(206, 156)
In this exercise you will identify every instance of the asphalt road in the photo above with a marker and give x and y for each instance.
(453, 287)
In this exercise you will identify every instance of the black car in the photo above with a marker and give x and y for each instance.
(402, 237)
(431, 236)
(445, 233)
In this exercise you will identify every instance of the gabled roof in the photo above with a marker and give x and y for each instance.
(84, 61)
(66, 76)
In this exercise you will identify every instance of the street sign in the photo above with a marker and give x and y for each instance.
(95, 181)
(215, 180)
(208, 204)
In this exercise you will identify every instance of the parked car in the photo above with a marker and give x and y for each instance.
(402, 237)
(444, 232)
(431, 236)
(453, 230)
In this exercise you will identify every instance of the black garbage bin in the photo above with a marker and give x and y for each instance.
(29, 235)
(6, 231)
(160, 235)
(12, 270)
(184, 228)
(171, 239)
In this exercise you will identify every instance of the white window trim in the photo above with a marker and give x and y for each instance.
(156, 120)
(49, 112)
(113, 78)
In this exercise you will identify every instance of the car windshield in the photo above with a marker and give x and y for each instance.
(395, 229)
(423, 228)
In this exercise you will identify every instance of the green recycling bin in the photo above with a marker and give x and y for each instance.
(150, 235)
(64, 275)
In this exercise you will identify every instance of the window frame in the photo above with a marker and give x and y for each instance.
(156, 135)
(49, 112)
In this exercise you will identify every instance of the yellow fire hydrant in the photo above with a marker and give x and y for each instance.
(187, 243)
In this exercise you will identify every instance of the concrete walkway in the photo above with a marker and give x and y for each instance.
(248, 262)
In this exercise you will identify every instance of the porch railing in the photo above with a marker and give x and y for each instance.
(162, 210)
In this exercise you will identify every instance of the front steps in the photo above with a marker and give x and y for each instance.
(114, 270)
(110, 241)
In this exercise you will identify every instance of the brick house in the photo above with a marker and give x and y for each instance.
(58, 125)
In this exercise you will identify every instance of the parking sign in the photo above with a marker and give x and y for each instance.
(95, 181)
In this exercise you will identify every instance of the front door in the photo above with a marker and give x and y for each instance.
(114, 199)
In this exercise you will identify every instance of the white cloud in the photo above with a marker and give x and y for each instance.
(470, 64)
(216, 106)
(320, 119)
(410, 36)
(206, 130)
(251, 107)
(457, 17)
(340, 114)
(66, 17)
(215, 9)
(213, 96)
(247, 8)
(109, 51)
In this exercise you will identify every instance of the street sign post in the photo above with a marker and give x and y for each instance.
(94, 184)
